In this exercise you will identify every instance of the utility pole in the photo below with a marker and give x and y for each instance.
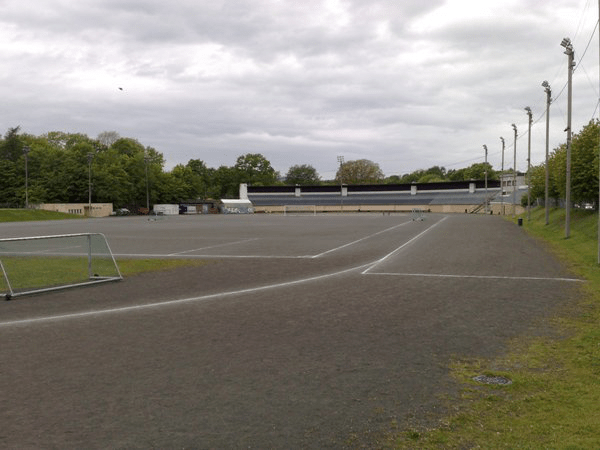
(502, 178)
(515, 173)
(90, 157)
(529, 113)
(26, 151)
(485, 172)
(566, 43)
(340, 159)
(146, 161)
(546, 86)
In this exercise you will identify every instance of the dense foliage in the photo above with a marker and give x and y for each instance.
(62, 166)
(584, 169)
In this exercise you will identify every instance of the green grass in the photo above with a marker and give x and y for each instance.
(26, 215)
(554, 401)
(26, 273)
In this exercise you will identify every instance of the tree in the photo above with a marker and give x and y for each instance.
(108, 138)
(584, 164)
(254, 168)
(303, 175)
(361, 171)
(11, 148)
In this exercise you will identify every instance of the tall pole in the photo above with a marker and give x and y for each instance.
(529, 114)
(546, 86)
(502, 178)
(515, 172)
(147, 160)
(90, 156)
(485, 172)
(26, 150)
(340, 159)
(566, 43)
(598, 206)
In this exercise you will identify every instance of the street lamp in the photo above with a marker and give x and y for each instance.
(485, 172)
(530, 115)
(548, 91)
(502, 179)
(90, 156)
(515, 172)
(26, 151)
(566, 43)
(340, 159)
(147, 160)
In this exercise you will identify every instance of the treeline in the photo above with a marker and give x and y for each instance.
(62, 167)
(584, 170)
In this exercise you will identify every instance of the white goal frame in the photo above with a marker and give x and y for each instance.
(92, 248)
(296, 210)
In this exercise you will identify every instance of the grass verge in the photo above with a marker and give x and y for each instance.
(554, 398)
(27, 215)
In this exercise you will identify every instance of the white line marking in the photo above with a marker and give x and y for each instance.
(179, 256)
(212, 246)
(177, 301)
(379, 261)
(361, 239)
(484, 277)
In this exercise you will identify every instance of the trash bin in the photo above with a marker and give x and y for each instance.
(520, 221)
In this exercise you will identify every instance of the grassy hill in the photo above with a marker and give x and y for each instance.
(24, 215)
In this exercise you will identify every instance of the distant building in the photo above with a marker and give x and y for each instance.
(82, 209)
(445, 197)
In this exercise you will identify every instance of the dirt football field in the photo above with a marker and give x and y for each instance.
(299, 332)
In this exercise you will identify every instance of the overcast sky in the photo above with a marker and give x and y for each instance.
(407, 84)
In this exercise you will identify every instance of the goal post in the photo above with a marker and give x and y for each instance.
(297, 210)
(44, 263)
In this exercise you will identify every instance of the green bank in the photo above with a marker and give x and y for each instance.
(554, 399)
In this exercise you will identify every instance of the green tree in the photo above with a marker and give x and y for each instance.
(584, 164)
(302, 174)
(362, 171)
(255, 169)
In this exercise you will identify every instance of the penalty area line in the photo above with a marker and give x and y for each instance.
(359, 240)
(418, 236)
(481, 277)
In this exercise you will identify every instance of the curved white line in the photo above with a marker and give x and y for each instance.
(175, 302)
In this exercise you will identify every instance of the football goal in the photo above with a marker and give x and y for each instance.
(44, 263)
(299, 210)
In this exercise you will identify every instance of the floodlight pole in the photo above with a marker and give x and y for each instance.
(146, 161)
(485, 172)
(502, 178)
(26, 150)
(548, 91)
(530, 115)
(90, 156)
(566, 43)
(515, 173)
(340, 159)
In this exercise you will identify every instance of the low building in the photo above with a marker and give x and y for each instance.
(236, 206)
(82, 209)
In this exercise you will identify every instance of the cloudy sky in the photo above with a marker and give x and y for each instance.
(407, 84)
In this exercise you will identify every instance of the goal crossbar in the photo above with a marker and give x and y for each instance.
(46, 263)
